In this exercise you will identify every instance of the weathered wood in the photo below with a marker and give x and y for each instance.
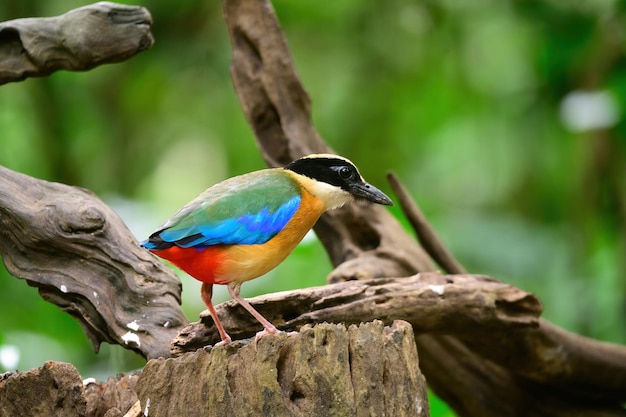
(469, 306)
(425, 233)
(115, 397)
(498, 322)
(325, 370)
(56, 389)
(78, 40)
(53, 390)
(78, 252)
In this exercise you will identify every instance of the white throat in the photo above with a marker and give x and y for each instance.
(332, 197)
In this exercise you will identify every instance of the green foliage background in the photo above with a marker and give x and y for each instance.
(463, 99)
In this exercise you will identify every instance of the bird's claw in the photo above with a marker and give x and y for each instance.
(223, 342)
(265, 332)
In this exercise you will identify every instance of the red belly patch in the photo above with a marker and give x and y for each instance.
(202, 264)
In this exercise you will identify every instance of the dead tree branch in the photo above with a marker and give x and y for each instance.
(425, 233)
(467, 305)
(78, 252)
(499, 322)
(78, 40)
(366, 370)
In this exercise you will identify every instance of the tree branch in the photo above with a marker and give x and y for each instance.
(465, 305)
(365, 370)
(425, 232)
(78, 40)
(496, 325)
(81, 256)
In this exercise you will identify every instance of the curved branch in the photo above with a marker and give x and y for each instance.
(78, 40)
(81, 256)
(468, 305)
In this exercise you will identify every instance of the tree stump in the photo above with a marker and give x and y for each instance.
(325, 370)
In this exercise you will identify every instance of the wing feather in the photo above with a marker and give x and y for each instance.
(245, 210)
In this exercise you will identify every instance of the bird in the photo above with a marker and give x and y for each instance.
(245, 226)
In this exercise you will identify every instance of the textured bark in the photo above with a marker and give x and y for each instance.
(81, 256)
(78, 40)
(369, 370)
(55, 389)
(469, 306)
(498, 322)
(115, 397)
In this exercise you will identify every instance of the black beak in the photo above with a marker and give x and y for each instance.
(371, 193)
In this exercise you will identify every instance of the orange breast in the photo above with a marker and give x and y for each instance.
(245, 262)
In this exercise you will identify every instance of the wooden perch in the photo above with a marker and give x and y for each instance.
(467, 305)
(499, 322)
(324, 370)
(81, 256)
(78, 40)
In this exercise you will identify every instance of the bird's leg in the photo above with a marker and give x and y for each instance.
(206, 292)
(233, 289)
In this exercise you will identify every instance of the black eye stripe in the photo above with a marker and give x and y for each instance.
(334, 171)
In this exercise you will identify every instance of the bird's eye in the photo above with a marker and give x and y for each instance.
(345, 172)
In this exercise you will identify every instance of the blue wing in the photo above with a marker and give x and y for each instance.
(249, 229)
(244, 210)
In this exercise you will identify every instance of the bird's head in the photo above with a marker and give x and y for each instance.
(335, 180)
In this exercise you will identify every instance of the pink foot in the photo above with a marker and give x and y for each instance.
(265, 332)
(223, 342)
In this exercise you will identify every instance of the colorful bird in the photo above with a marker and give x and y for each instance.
(243, 227)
